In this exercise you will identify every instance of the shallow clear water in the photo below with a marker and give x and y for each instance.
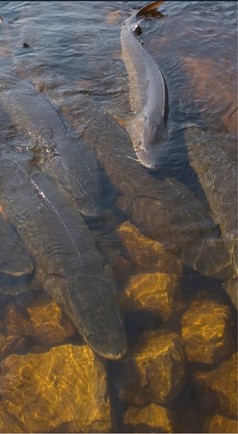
(73, 58)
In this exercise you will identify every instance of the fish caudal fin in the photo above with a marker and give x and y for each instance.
(150, 9)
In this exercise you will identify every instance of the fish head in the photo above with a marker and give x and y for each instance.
(148, 138)
(94, 309)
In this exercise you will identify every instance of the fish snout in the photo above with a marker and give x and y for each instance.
(148, 159)
(110, 345)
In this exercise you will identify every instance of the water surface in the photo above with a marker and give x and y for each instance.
(70, 51)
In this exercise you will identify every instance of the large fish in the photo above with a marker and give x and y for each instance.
(14, 259)
(164, 210)
(55, 150)
(212, 159)
(68, 264)
(146, 125)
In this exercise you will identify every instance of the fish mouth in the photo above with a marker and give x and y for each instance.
(150, 162)
(152, 166)
(113, 356)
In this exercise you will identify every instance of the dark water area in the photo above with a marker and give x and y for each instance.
(62, 60)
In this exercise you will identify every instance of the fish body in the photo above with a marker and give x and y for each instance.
(56, 151)
(68, 265)
(147, 124)
(14, 258)
(164, 210)
(217, 173)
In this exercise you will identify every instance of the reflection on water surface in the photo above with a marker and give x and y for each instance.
(169, 236)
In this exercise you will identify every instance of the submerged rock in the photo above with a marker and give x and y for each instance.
(146, 253)
(154, 371)
(12, 344)
(51, 391)
(18, 322)
(150, 418)
(155, 287)
(221, 383)
(8, 423)
(44, 322)
(206, 331)
(50, 324)
(218, 423)
(153, 292)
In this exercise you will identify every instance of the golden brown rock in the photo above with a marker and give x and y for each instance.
(221, 382)
(154, 371)
(206, 331)
(8, 424)
(218, 423)
(50, 324)
(63, 387)
(18, 324)
(146, 254)
(150, 418)
(12, 345)
(154, 292)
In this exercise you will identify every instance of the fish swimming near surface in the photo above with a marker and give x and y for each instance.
(68, 264)
(55, 150)
(212, 160)
(164, 210)
(146, 125)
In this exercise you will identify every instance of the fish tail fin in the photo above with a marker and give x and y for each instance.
(150, 9)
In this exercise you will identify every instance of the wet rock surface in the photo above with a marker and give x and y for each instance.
(207, 331)
(219, 386)
(154, 371)
(218, 423)
(150, 418)
(65, 387)
(8, 423)
(155, 286)
(146, 253)
(18, 322)
(153, 292)
(42, 320)
(51, 325)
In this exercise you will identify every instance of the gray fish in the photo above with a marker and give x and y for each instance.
(68, 264)
(146, 125)
(211, 158)
(164, 210)
(14, 258)
(55, 150)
